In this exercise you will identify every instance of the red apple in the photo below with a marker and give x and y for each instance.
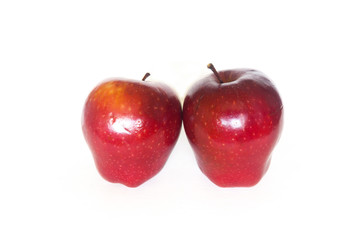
(131, 128)
(233, 120)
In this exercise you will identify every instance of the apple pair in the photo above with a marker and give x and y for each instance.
(232, 119)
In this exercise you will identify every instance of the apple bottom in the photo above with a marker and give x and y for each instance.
(133, 171)
(238, 173)
(234, 164)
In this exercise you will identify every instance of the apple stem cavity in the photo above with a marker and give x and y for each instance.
(146, 76)
(211, 66)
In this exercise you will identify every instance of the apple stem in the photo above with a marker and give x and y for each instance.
(146, 76)
(211, 66)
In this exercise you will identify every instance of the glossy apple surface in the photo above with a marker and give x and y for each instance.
(131, 128)
(233, 126)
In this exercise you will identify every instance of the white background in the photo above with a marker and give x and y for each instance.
(53, 53)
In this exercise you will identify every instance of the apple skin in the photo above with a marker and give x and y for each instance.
(233, 126)
(131, 128)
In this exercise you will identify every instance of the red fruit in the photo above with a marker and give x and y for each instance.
(233, 120)
(131, 128)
